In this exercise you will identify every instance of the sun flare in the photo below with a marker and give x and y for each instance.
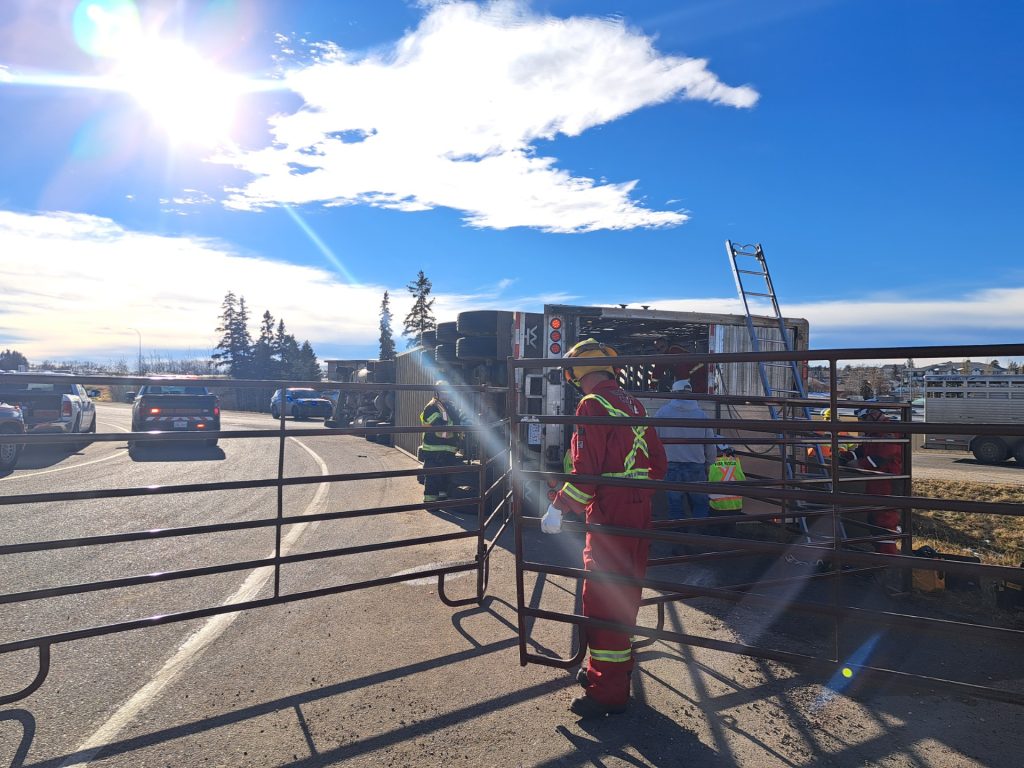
(185, 95)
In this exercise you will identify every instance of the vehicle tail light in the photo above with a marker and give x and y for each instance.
(65, 409)
(200, 426)
(154, 411)
(216, 410)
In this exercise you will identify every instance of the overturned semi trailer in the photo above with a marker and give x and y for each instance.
(473, 349)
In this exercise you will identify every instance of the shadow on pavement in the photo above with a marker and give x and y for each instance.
(176, 452)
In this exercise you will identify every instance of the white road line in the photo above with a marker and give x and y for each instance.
(194, 646)
(69, 466)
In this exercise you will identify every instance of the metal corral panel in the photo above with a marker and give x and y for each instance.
(409, 369)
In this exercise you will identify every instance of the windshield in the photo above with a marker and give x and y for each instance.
(175, 389)
(30, 386)
(303, 393)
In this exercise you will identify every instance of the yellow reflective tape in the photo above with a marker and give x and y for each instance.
(612, 656)
(433, 417)
(573, 492)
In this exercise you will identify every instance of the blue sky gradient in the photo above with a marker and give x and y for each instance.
(871, 146)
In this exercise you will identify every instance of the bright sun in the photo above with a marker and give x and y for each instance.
(185, 95)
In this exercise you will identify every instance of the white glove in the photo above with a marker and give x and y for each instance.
(552, 520)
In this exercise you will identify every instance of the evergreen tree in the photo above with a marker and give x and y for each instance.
(11, 360)
(387, 341)
(307, 367)
(235, 345)
(421, 316)
(263, 364)
(286, 352)
(242, 368)
(229, 310)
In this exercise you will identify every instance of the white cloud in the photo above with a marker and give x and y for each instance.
(450, 118)
(988, 316)
(73, 286)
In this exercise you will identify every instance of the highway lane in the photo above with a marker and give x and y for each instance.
(92, 680)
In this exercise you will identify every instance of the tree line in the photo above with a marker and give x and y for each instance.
(275, 354)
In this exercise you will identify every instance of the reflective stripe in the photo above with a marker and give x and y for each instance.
(433, 417)
(597, 654)
(639, 443)
(435, 447)
(643, 473)
(575, 493)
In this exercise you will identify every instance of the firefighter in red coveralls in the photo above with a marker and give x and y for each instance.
(609, 451)
(878, 457)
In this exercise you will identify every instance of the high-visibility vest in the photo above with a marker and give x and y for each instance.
(723, 470)
(436, 414)
(629, 468)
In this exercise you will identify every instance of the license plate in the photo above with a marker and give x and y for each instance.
(180, 423)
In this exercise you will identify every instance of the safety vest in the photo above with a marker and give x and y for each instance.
(629, 468)
(725, 469)
(433, 412)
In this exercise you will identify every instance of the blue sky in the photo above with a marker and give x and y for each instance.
(310, 155)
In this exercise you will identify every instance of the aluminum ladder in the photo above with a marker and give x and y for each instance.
(749, 261)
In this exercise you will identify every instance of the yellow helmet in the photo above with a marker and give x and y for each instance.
(826, 415)
(587, 348)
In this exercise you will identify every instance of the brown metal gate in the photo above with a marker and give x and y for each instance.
(489, 502)
(847, 633)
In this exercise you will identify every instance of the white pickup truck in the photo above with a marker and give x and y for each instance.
(58, 406)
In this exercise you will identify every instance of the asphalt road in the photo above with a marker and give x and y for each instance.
(390, 676)
(961, 466)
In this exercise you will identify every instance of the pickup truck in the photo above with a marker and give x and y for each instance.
(175, 408)
(59, 406)
(11, 423)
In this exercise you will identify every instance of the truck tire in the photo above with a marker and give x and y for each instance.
(445, 353)
(1018, 453)
(990, 450)
(428, 339)
(477, 348)
(483, 322)
(446, 333)
(9, 451)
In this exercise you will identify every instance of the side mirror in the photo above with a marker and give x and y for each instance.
(93, 393)
(129, 397)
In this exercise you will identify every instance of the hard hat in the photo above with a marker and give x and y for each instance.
(587, 348)
(440, 383)
(682, 385)
(826, 414)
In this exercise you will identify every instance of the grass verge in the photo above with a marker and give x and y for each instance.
(996, 539)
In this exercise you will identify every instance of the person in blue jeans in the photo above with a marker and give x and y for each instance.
(686, 463)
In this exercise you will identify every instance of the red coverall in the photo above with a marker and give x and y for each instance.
(888, 458)
(603, 449)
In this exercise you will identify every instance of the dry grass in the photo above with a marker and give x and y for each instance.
(996, 539)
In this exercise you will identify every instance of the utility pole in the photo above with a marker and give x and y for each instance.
(140, 347)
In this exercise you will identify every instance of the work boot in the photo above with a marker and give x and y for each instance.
(587, 706)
